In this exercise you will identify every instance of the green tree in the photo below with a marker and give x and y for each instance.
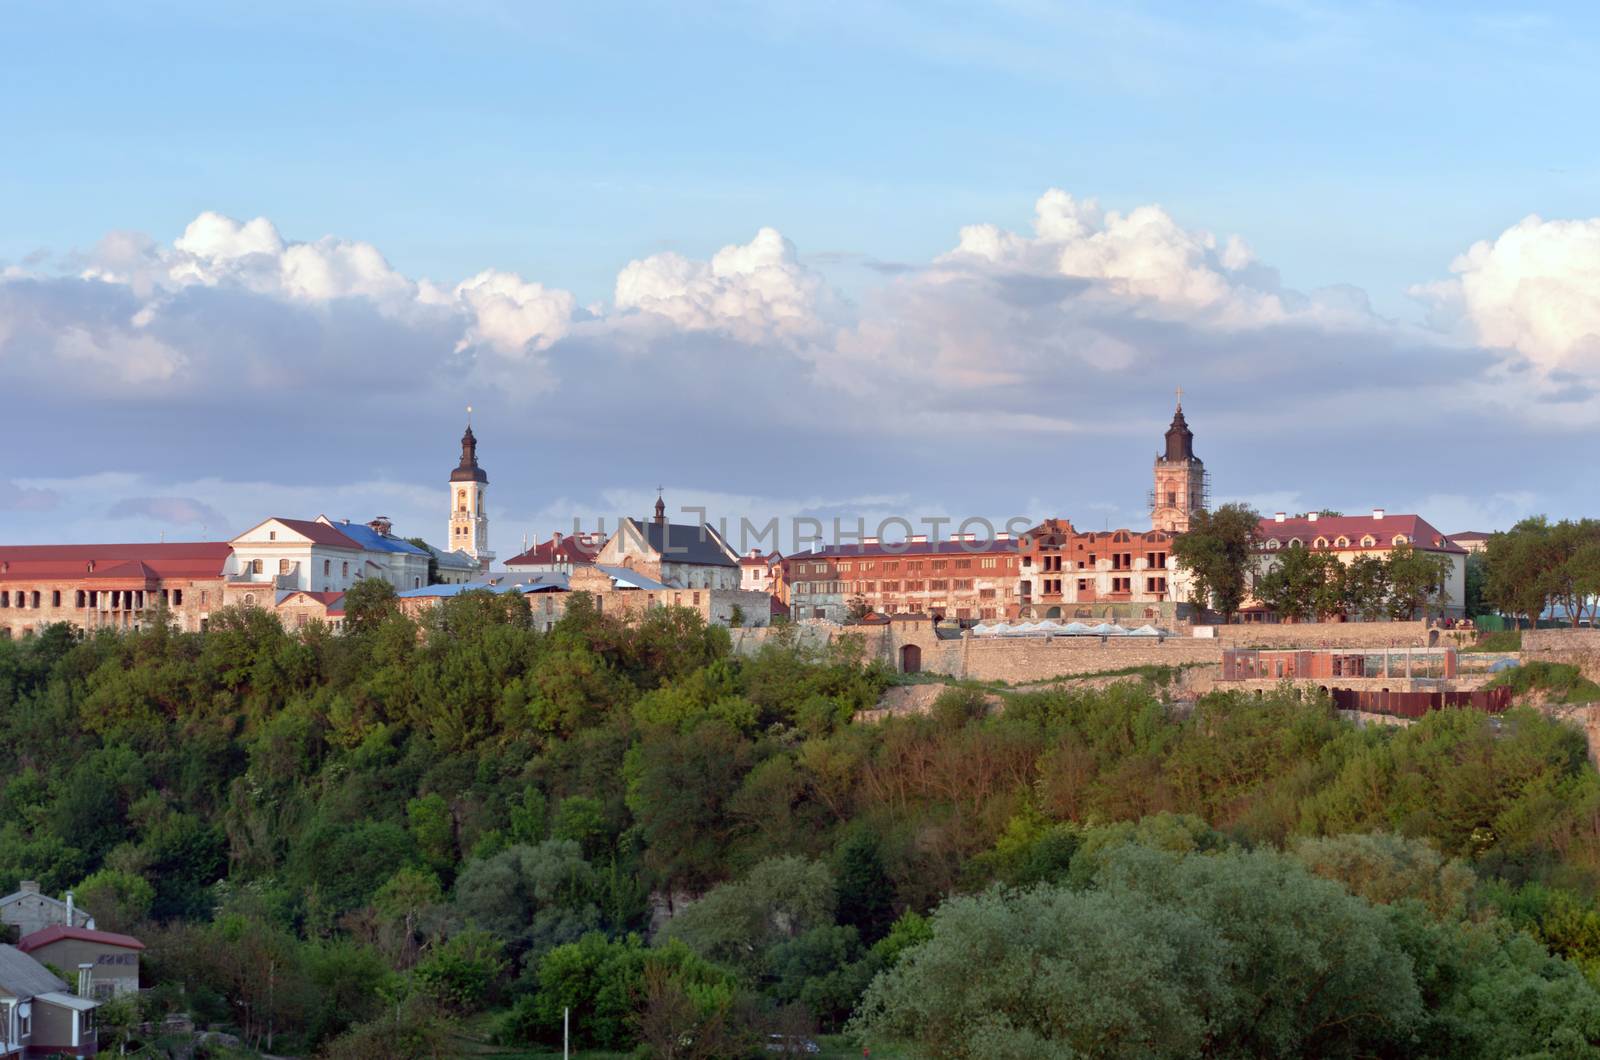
(1219, 552)
(367, 604)
(1416, 580)
(117, 899)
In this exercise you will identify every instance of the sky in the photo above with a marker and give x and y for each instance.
(854, 260)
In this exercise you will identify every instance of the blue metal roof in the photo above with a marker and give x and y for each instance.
(542, 583)
(372, 541)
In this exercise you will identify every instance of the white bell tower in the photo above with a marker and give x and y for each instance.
(469, 517)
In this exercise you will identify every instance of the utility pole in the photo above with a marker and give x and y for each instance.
(566, 1034)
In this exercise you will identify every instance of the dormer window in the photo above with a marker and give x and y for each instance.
(1295, 542)
(1368, 541)
(1341, 542)
(1400, 539)
(1320, 542)
(1274, 544)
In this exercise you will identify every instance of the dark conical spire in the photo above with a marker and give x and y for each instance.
(1180, 439)
(661, 509)
(468, 470)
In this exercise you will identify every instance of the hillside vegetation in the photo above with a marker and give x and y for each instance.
(358, 845)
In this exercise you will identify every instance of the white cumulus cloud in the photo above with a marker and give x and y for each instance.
(1535, 289)
(1143, 254)
(752, 291)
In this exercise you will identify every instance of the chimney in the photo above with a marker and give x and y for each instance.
(380, 525)
(1377, 513)
(29, 887)
(919, 539)
(869, 541)
(1279, 517)
(70, 921)
(1311, 518)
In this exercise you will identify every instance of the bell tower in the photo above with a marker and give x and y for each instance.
(469, 519)
(1181, 484)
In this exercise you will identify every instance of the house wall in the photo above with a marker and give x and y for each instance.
(715, 606)
(120, 604)
(35, 912)
(52, 1028)
(116, 966)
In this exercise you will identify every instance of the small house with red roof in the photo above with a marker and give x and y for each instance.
(561, 554)
(762, 572)
(110, 960)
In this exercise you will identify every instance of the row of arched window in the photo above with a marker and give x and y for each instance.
(1339, 542)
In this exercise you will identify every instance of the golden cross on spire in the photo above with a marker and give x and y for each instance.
(1180, 397)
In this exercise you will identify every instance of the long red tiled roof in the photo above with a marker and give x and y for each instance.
(176, 559)
(318, 533)
(567, 550)
(1383, 529)
(57, 932)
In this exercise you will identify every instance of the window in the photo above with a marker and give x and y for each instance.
(1295, 542)
(55, 597)
(1155, 585)
(1083, 585)
(1368, 541)
(177, 597)
(5, 598)
(1274, 544)
(1399, 539)
(1341, 542)
(938, 564)
(283, 566)
(988, 563)
(344, 569)
(939, 586)
(272, 535)
(327, 568)
(1122, 585)
(963, 564)
(986, 594)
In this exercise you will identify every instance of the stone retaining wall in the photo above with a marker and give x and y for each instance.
(1580, 647)
(1324, 634)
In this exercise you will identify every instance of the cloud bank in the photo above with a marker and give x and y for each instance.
(1034, 364)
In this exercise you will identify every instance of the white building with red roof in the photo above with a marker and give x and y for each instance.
(1377, 534)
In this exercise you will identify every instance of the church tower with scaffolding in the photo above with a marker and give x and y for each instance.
(1181, 484)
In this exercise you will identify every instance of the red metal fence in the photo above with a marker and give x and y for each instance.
(1416, 704)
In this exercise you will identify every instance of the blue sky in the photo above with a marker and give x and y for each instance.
(1357, 150)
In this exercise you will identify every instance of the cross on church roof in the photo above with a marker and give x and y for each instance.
(1180, 397)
